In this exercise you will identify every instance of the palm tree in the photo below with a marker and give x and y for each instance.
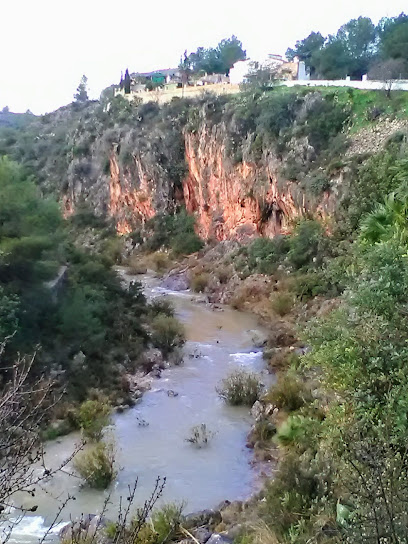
(388, 220)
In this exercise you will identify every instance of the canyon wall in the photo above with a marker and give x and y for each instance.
(229, 200)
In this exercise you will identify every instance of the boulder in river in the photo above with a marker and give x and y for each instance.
(258, 338)
(202, 517)
(216, 538)
(176, 281)
(202, 534)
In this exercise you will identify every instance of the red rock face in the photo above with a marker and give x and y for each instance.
(229, 200)
(238, 201)
(127, 204)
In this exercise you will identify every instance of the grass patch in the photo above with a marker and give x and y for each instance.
(240, 388)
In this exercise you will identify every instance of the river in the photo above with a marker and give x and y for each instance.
(200, 477)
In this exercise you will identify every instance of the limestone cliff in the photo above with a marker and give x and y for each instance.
(237, 177)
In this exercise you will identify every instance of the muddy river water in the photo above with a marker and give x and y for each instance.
(201, 478)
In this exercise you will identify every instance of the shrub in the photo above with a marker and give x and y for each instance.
(159, 261)
(161, 306)
(240, 388)
(199, 281)
(92, 417)
(96, 465)
(263, 431)
(136, 265)
(296, 431)
(311, 284)
(200, 435)
(288, 393)
(264, 254)
(166, 521)
(307, 244)
(167, 333)
(281, 302)
(186, 243)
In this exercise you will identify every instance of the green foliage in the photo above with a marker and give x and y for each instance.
(240, 388)
(380, 175)
(81, 94)
(166, 521)
(306, 49)
(307, 244)
(296, 430)
(9, 304)
(281, 302)
(175, 232)
(167, 333)
(96, 465)
(216, 60)
(92, 417)
(288, 393)
(264, 254)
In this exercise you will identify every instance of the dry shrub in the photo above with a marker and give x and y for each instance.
(136, 265)
(159, 262)
(280, 358)
(224, 273)
(262, 534)
(281, 337)
(199, 281)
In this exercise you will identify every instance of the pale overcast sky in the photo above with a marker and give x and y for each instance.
(46, 45)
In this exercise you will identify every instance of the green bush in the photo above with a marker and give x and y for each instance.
(174, 232)
(281, 302)
(308, 244)
(96, 465)
(288, 393)
(186, 243)
(167, 333)
(93, 416)
(264, 254)
(240, 388)
(166, 522)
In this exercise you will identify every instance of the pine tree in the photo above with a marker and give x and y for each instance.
(82, 91)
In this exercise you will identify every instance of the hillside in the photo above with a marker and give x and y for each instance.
(243, 165)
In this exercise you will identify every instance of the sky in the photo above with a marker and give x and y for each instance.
(46, 45)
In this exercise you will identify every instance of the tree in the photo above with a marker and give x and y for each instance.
(218, 60)
(332, 61)
(306, 48)
(127, 82)
(393, 34)
(185, 68)
(389, 71)
(82, 91)
(229, 52)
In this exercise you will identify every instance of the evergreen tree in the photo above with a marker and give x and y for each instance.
(127, 82)
(82, 91)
